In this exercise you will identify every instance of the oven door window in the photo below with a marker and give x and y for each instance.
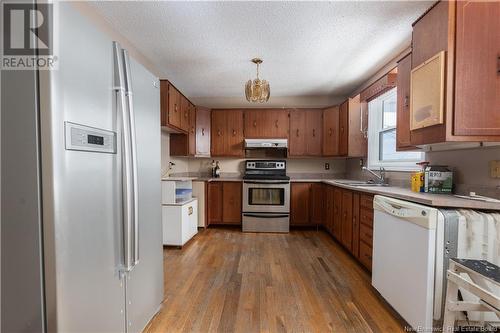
(266, 196)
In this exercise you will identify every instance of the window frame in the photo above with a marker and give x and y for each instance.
(375, 128)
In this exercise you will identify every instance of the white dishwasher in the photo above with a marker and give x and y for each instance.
(404, 257)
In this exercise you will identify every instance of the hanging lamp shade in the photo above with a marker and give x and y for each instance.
(257, 90)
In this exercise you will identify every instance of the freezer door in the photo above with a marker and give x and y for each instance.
(81, 189)
(145, 281)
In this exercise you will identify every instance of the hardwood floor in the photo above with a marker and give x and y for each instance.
(229, 281)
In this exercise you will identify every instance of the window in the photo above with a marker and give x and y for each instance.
(382, 136)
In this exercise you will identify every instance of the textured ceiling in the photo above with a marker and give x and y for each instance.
(314, 52)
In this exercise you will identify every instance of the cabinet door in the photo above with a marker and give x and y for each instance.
(477, 74)
(343, 128)
(231, 202)
(184, 113)
(202, 131)
(355, 225)
(164, 102)
(300, 203)
(329, 208)
(403, 133)
(214, 197)
(234, 133)
(297, 138)
(317, 204)
(357, 142)
(337, 213)
(331, 131)
(218, 130)
(347, 219)
(192, 130)
(174, 107)
(265, 123)
(314, 128)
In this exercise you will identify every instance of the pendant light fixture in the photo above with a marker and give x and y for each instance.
(257, 90)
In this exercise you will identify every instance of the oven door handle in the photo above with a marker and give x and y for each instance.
(264, 183)
(270, 216)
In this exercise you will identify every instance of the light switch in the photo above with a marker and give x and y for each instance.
(495, 169)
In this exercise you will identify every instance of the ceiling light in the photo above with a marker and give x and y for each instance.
(257, 90)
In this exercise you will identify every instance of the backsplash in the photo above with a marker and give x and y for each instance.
(470, 166)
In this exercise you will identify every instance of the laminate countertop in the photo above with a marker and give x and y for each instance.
(435, 200)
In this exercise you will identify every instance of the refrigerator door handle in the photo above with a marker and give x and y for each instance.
(131, 117)
(126, 158)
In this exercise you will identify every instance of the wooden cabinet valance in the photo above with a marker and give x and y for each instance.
(382, 85)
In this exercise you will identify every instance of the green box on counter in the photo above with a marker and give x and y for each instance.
(438, 179)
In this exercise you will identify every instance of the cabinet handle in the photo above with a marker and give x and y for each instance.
(219, 133)
(175, 107)
(297, 133)
(192, 129)
(254, 124)
(185, 114)
(330, 132)
(234, 132)
(498, 65)
(202, 132)
(314, 132)
(276, 124)
(342, 129)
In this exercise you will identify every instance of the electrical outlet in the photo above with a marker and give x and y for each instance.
(327, 166)
(495, 169)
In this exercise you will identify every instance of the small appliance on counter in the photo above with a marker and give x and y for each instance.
(266, 196)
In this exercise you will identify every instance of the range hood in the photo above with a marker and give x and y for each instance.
(266, 143)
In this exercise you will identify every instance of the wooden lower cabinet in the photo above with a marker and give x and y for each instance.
(349, 219)
(307, 204)
(318, 203)
(224, 202)
(346, 225)
(300, 203)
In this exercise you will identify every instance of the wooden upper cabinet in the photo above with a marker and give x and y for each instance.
(202, 131)
(477, 75)
(218, 130)
(231, 202)
(343, 128)
(306, 130)
(192, 130)
(234, 137)
(184, 124)
(173, 108)
(266, 123)
(297, 140)
(300, 203)
(357, 142)
(430, 36)
(314, 130)
(331, 131)
(403, 133)
(227, 133)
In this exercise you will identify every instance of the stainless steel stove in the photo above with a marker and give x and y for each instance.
(266, 196)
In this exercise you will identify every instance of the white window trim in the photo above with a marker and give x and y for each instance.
(374, 124)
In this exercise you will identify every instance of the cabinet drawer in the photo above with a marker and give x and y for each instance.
(366, 217)
(365, 255)
(366, 234)
(366, 201)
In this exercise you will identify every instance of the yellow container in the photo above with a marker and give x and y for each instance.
(417, 181)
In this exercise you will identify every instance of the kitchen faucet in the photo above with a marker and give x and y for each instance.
(380, 178)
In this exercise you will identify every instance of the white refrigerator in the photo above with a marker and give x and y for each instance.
(81, 224)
